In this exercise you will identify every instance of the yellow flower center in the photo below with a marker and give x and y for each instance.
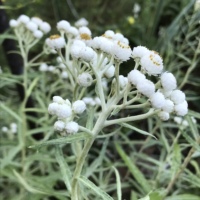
(53, 37)
(85, 36)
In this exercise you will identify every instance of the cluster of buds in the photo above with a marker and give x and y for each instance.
(30, 28)
(12, 129)
(65, 112)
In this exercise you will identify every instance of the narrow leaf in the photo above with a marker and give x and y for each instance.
(119, 187)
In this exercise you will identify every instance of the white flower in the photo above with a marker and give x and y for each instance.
(52, 108)
(43, 67)
(157, 100)
(72, 127)
(59, 125)
(165, 93)
(45, 27)
(85, 30)
(125, 41)
(79, 106)
(56, 42)
(109, 73)
(140, 51)
(58, 99)
(181, 122)
(63, 25)
(63, 111)
(135, 76)
(13, 128)
(97, 101)
(72, 32)
(64, 75)
(168, 106)
(23, 19)
(96, 42)
(32, 26)
(87, 54)
(163, 115)
(81, 22)
(152, 63)
(59, 59)
(123, 81)
(177, 96)
(181, 109)
(13, 23)
(51, 68)
(118, 37)
(146, 87)
(106, 45)
(89, 101)
(38, 34)
(168, 81)
(37, 20)
(109, 34)
(121, 51)
(4, 129)
(85, 79)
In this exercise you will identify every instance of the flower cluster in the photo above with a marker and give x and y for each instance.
(30, 28)
(65, 112)
(166, 97)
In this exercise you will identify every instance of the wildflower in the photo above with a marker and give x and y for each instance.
(157, 100)
(110, 72)
(23, 19)
(13, 23)
(64, 75)
(139, 52)
(52, 108)
(36, 20)
(152, 63)
(72, 32)
(146, 87)
(79, 106)
(121, 51)
(32, 26)
(85, 79)
(109, 34)
(163, 115)
(81, 22)
(56, 42)
(13, 128)
(181, 109)
(85, 30)
(89, 101)
(58, 99)
(168, 106)
(63, 25)
(168, 81)
(45, 27)
(87, 54)
(59, 125)
(4, 129)
(43, 67)
(177, 96)
(130, 20)
(72, 127)
(135, 76)
(38, 34)
(123, 81)
(63, 111)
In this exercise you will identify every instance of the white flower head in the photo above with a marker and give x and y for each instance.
(152, 63)
(45, 27)
(13, 23)
(168, 106)
(123, 81)
(52, 108)
(72, 32)
(135, 76)
(32, 26)
(109, 73)
(64, 75)
(85, 30)
(168, 81)
(43, 67)
(109, 34)
(85, 79)
(72, 127)
(63, 25)
(97, 101)
(55, 42)
(89, 101)
(36, 20)
(140, 51)
(146, 87)
(64, 111)
(157, 100)
(23, 19)
(118, 37)
(165, 93)
(79, 106)
(58, 99)
(87, 54)
(181, 109)
(81, 22)
(177, 96)
(59, 125)
(96, 42)
(105, 45)
(38, 34)
(13, 128)
(4, 129)
(163, 115)
(122, 52)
